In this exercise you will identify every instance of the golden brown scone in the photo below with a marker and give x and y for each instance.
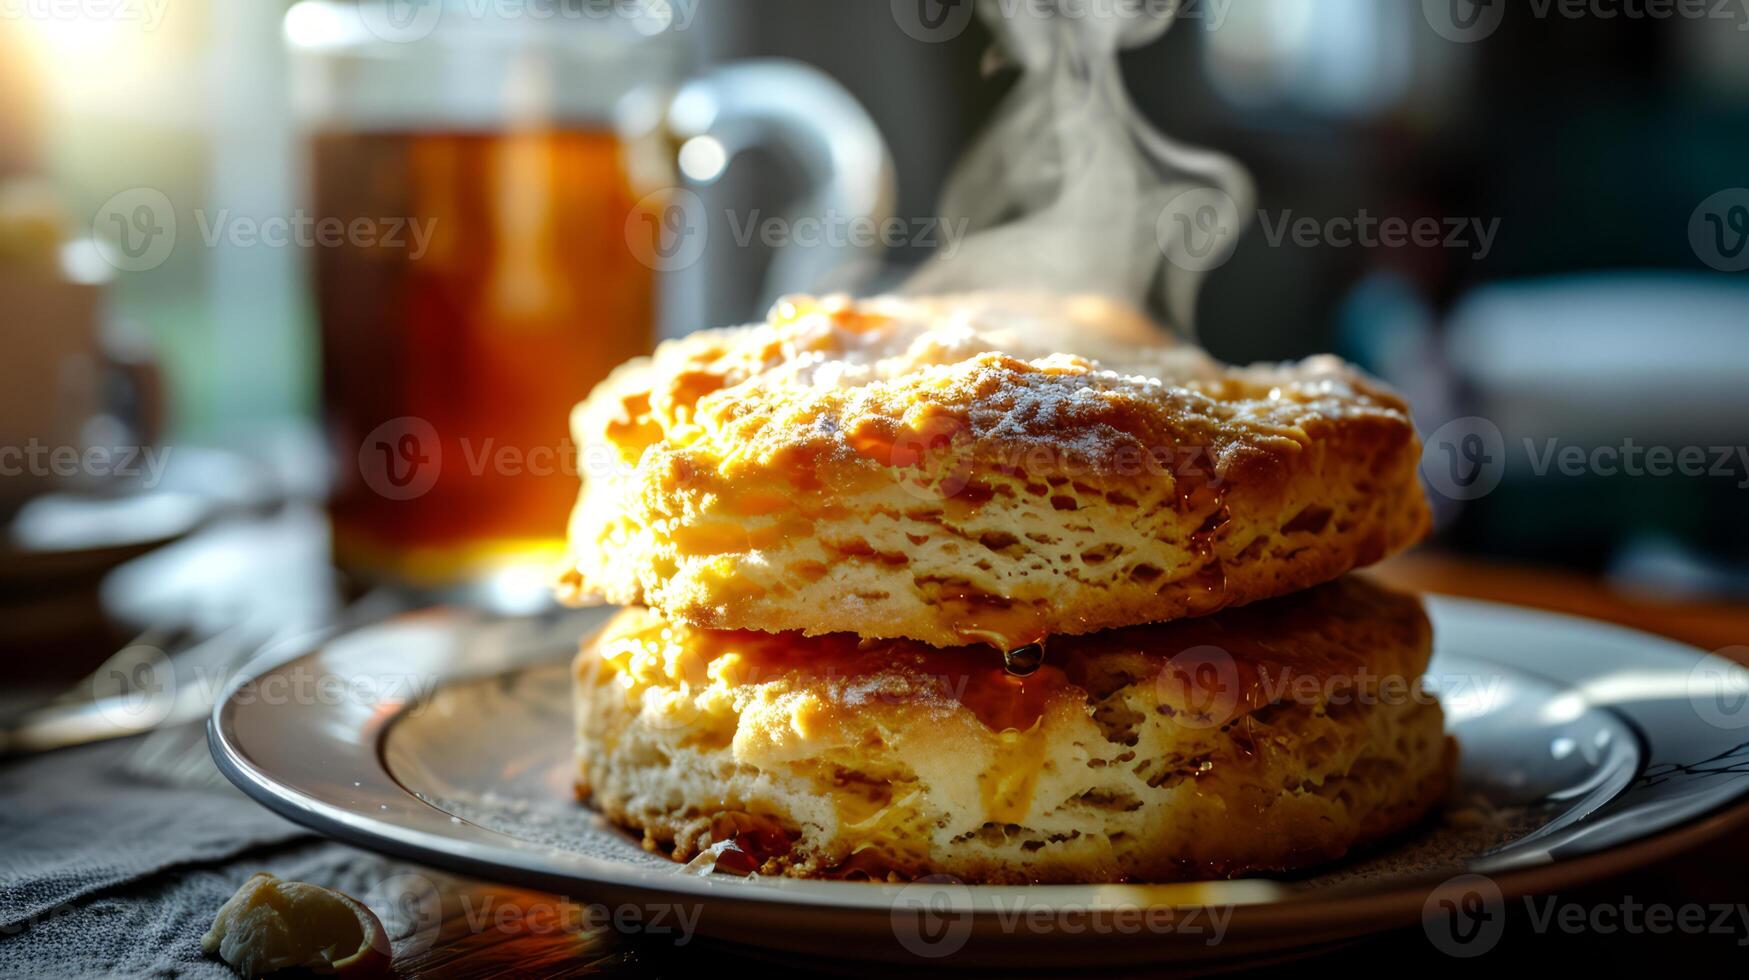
(1260, 739)
(936, 470)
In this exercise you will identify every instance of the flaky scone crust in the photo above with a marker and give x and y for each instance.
(939, 470)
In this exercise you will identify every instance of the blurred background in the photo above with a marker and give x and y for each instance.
(264, 265)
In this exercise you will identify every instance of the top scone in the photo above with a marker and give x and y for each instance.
(939, 470)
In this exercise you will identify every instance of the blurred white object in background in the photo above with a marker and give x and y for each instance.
(1598, 359)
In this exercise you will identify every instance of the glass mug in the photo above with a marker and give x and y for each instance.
(497, 184)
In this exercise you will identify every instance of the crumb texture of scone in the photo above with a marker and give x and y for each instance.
(1262, 739)
(941, 470)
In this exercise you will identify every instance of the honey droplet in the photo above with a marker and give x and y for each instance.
(1024, 661)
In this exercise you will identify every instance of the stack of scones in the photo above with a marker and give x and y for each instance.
(912, 590)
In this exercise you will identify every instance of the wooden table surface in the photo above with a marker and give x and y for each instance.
(1718, 626)
(492, 931)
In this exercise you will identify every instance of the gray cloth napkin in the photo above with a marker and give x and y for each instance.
(74, 825)
(103, 873)
(152, 926)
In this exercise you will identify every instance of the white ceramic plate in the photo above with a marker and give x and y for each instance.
(446, 739)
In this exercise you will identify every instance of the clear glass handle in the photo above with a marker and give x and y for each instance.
(809, 116)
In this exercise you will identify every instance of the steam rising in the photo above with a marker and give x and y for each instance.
(1071, 190)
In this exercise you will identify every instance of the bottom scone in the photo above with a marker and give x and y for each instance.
(1265, 738)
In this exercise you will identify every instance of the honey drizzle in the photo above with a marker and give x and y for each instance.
(1023, 661)
(1196, 492)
